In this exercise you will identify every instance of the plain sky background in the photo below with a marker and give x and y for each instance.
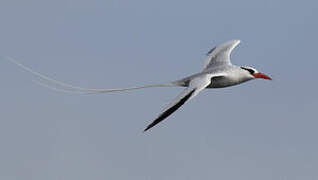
(258, 130)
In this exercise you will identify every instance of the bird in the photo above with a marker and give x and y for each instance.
(217, 72)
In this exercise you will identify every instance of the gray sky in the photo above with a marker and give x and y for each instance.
(258, 130)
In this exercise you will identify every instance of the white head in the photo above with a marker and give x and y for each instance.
(252, 73)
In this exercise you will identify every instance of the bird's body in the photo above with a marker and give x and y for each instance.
(228, 76)
(218, 72)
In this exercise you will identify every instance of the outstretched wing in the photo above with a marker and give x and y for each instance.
(196, 85)
(220, 55)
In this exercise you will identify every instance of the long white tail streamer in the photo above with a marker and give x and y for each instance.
(69, 88)
(59, 89)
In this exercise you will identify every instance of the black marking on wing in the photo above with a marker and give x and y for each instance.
(170, 110)
(210, 51)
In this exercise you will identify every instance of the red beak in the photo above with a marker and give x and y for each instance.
(261, 75)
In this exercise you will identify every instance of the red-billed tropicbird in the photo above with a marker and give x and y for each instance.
(218, 72)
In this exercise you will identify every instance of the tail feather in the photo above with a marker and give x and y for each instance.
(69, 88)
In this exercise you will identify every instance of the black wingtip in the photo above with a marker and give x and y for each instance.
(170, 111)
(210, 51)
(148, 127)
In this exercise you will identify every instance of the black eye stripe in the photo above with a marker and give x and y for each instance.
(249, 70)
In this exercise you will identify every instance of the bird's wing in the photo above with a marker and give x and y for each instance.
(220, 55)
(195, 86)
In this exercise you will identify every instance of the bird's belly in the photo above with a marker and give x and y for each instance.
(223, 81)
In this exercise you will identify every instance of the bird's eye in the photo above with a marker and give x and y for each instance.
(251, 71)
